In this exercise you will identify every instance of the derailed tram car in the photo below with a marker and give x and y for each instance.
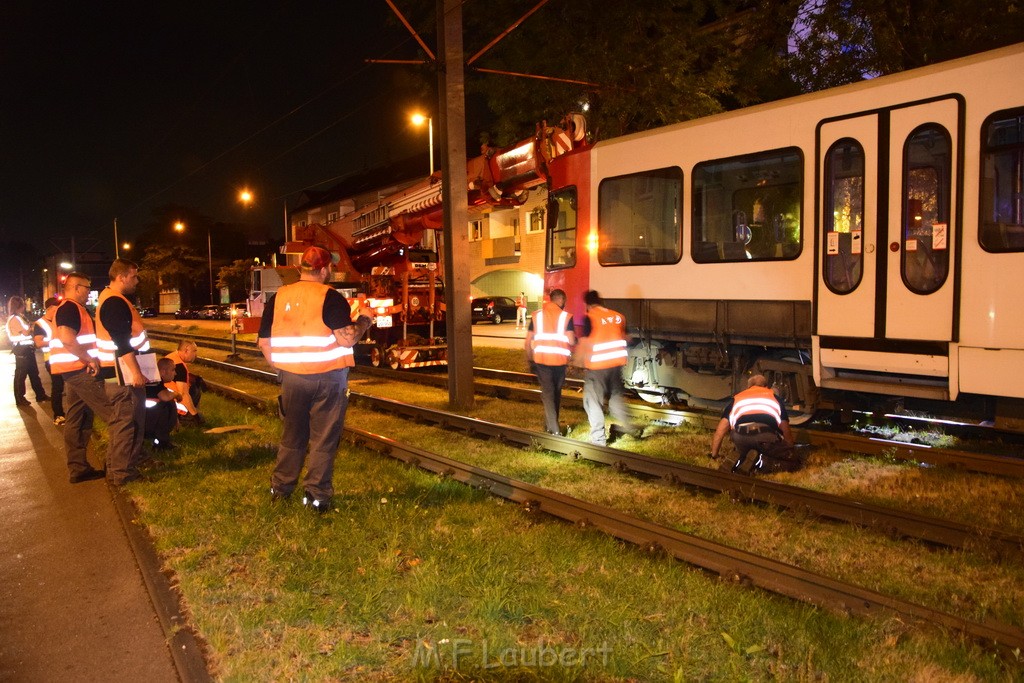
(857, 246)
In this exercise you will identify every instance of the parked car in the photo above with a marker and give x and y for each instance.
(494, 308)
(215, 312)
(186, 314)
(148, 312)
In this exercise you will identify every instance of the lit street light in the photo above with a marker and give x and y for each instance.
(246, 197)
(417, 120)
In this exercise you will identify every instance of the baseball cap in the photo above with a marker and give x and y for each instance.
(317, 258)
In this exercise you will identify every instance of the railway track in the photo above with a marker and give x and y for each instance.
(730, 563)
(959, 459)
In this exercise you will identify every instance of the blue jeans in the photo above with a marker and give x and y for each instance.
(313, 411)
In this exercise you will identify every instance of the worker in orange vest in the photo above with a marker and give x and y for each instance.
(307, 334)
(120, 337)
(606, 352)
(549, 342)
(23, 348)
(757, 419)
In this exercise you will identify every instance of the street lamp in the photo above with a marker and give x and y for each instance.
(417, 120)
(180, 227)
(246, 197)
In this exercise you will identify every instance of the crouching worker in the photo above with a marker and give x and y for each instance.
(189, 385)
(759, 426)
(161, 407)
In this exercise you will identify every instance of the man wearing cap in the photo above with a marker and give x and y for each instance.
(307, 334)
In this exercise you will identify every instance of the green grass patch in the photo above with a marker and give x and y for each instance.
(413, 577)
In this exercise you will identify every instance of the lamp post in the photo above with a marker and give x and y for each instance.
(417, 120)
(180, 227)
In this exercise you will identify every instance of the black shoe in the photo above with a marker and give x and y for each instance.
(164, 445)
(318, 506)
(136, 476)
(22, 401)
(277, 496)
(42, 399)
(88, 475)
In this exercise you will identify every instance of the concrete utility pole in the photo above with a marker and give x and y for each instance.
(452, 109)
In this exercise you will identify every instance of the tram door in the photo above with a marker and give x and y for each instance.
(889, 192)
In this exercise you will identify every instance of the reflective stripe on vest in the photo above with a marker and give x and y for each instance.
(551, 344)
(62, 361)
(300, 342)
(755, 401)
(21, 338)
(47, 337)
(608, 340)
(104, 344)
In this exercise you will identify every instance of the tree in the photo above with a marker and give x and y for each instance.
(843, 41)
(236, 278)
(654, 62)
(175, 266)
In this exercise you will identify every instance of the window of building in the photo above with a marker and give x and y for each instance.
(748, 208)
(560, 251)
(1001, 200)
(535, 221)
(927, 166)
(332, 216)
(476, 230)
(844, 216)
(640, 218)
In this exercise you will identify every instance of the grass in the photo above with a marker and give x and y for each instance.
(413, 577)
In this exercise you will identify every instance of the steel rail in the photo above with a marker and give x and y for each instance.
(733, 564)
(888, 520)
(884, 519)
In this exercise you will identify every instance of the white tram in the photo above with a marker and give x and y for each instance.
(864, 241)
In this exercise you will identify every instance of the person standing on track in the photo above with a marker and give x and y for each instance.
(605, 353)
(24, 349)
(307, 334)
(42, 334)
(549, 342)
(120, 336)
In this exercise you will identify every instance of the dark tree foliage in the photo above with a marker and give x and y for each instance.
(653, 62)
(843, 41)
(235, 276)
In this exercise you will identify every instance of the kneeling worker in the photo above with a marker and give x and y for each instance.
(161, 408)
(189, 385)
(757, 419)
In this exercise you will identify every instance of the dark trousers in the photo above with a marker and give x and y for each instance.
(754, 441)
(161, 419)
(56, 392)
(598, 386)
(25, 368)
(551, 379)
(124, 411)
(313, 412)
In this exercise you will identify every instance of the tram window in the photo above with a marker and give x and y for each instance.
(561, 238)
(1001, 224)
(927, 166)
(639, 218)
(748, 208)
(844, 216)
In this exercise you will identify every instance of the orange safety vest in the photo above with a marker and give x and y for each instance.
(23, 335)
(550, 335)
(300, 342)
(104, 344)
(172, 385)
(47, 327)
(755, 401)
(61, 360)
(607, 339)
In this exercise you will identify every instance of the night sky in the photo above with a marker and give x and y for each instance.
(111, 109)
